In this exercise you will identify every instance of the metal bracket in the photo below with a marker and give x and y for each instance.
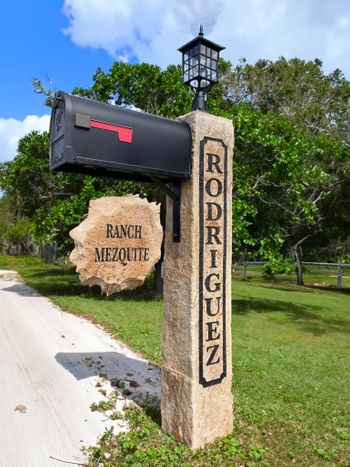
(174, 192)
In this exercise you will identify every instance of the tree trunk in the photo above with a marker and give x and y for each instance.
(299, 269)
(49, 253)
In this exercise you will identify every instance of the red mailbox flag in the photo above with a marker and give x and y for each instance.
(124, 133)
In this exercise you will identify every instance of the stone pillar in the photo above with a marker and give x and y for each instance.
(197, 370)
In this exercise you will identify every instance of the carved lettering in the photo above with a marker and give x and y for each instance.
(212, 233)
(208, 284)
(214, 211)
(123, 231)
(213, 259)
(213, 187)
(213, 248)
(121, 255)
(213, 161)
(209, 303)
(212, 350)
(213, 332)
(118, 243)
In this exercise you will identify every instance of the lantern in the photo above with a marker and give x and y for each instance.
(200, 67)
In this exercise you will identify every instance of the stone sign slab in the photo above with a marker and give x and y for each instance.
(118, 244)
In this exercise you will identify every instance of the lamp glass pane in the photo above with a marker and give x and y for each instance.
(203, 49)
(203, 83)
(209, 51)
(214, 55)
(193, 72)
(203, 60)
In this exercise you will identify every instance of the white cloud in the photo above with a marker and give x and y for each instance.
(152, 30)
(12, 130)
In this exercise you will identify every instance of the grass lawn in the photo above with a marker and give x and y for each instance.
(291, 364)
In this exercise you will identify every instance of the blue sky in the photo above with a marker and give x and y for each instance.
(32, 44)
(66, 40)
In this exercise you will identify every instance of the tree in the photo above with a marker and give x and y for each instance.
(27, 180)
(296, 89)
(291, 162)
(53, 202)
(15, 231)
(19, 237)
(6, 217)
(29, 185)
(67, 213)
(145, 86)
(318, 105)
(278, 187)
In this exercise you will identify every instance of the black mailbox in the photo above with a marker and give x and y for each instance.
(93, 138)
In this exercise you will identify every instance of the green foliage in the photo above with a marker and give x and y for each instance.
(291, 165)
(27, 181)
(326, 454)
(47, 90)
(19, 235)
(3, 230)
(102, 406)
(28, 184)
(5, 218)
(279, 186)
(296, 89)
(15, 231)
(65, 214)
(145, 444)
(54, 203)
(144, 86)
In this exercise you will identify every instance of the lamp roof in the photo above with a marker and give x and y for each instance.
(200, 39)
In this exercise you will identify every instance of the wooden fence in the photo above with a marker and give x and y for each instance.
(339, 266)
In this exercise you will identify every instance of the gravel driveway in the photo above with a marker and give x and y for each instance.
(49, 362)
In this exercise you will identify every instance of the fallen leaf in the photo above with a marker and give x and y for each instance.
(21, 408)
(134, 384)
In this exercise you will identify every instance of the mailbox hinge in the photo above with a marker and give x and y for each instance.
(174, 192)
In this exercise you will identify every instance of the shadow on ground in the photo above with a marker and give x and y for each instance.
(331, 288)
(22, 289)
(309, 318)
(66, 283)
(134, 379)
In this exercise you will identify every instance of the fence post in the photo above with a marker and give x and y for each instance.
(244, 269)
(339, 285)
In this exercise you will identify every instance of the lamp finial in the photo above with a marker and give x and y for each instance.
(201, 33)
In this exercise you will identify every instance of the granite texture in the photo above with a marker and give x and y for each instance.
(197, 370)
(118, 244)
